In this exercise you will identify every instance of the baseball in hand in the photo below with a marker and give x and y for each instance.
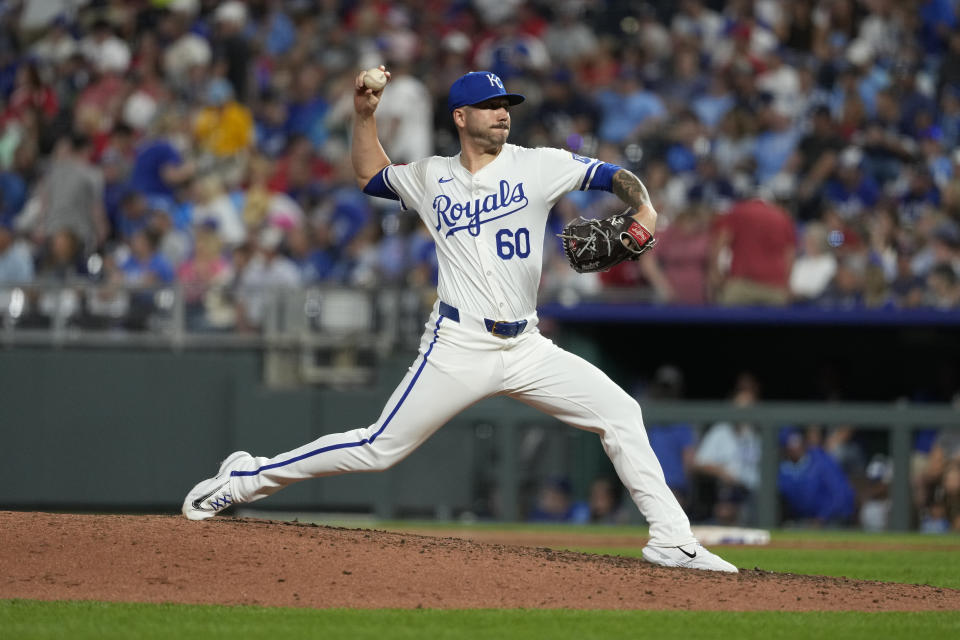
(374, 79)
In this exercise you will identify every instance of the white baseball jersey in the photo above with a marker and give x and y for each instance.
(488, 227)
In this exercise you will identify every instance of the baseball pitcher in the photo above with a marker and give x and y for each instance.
(486, 208)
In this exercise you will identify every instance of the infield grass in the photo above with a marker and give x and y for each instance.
(936, 568)
(923, 559)
(22, 619)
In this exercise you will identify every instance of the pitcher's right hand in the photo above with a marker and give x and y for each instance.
(365, 100)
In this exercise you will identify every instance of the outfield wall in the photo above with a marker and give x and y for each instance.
(119, 428)
(134, 429)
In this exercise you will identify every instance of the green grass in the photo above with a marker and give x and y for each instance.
(937, 564)
(937, 568)
(20, 619)
(783, 535)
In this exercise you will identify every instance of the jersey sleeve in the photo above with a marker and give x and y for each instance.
(562, 172)
(403, 182)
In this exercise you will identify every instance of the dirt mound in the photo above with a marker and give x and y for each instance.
(239, 561)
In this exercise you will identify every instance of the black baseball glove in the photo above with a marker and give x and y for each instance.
(598, 245)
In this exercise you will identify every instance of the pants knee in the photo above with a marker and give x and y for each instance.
(383, 458)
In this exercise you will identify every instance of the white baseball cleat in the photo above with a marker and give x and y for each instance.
(211, 496)
(688, 556)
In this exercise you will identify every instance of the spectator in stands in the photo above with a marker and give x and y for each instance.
(103, 47)
(61, 258)
(674, 444)
(231, 48)
(133, 214)
(174, 243)
(510, 52)
(948, 121)
(555, 503)
(13, 195)
(761, 239)
(813, 486)
(301, 174)
(875, 496)
(684, 134)
(307, 109)
(569, 116)
(846, 290)
(71, 196)
(159, 167)
(214, 203)
(775, 143)
(884, 237)
(946, 501)
(629, 110)
(270, 125)
(267, 272)
(606, 501)
(851, 191)
(907, 287)
(56, 45)
(945, 244)
(678, 269)
(145, 266)
(424, 269)
(782, 82)
(733, 147)
(943, 286)
(260, 204)
(886, 147)
(815, 267)
(224, 128)
(713, 105)
(31, 93)
(187, 54)
(568, 39)
(727, 462)
(204, 277)
(933, 155)
(944, 452)
(919, 194)
(711, 188)
(686, 82)
(16, 263)
(877, 293)
(115, 161)
(309, 248)
(818, 152)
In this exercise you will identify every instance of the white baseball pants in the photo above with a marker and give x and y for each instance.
(459, 364)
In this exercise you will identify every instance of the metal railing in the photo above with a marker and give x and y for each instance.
(328, 335)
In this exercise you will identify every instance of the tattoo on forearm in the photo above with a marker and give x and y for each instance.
(628, 188)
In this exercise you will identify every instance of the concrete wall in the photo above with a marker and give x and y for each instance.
(115, 429)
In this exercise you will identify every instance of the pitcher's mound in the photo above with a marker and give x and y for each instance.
(240, 561)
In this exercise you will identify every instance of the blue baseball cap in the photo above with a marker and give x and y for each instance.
(478, 86)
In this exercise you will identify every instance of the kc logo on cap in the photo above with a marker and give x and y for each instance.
(478, 86)
(495, 80)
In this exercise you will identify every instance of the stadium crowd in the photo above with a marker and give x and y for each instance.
(799, 153)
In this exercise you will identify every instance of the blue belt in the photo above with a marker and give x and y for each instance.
(499, 328)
